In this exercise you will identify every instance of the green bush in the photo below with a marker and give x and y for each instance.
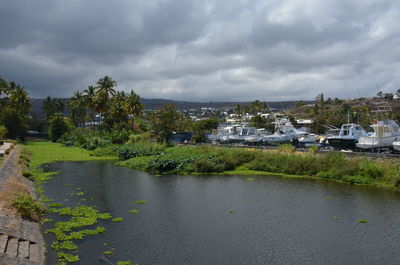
(207, 165)
(139, 149)
(58, 127)
(28, 175)
(104, 151)
(28, 208)
(3, 131)
(176, 160)
(14, 122)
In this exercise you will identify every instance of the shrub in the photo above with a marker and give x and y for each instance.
(139, 149)
(57, 128)
(104, 151)
(14, 122)
(28, 175)
(234, 157)
(287, 148)
(3, 131)
(27, 207)
(371, 169)
(313, 149)
(206, 165)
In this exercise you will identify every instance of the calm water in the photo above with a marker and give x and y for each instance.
(186, 219)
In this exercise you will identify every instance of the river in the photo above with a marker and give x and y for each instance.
(227, 220)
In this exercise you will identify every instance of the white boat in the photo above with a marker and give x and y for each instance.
(396, 145)
(308, 138)
(384, 135)
(348, 136)
(256, 138)
(284, 132)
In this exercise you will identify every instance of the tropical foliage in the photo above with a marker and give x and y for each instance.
(15, 105)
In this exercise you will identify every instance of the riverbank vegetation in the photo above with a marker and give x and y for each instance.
(161, 159)
(207, 159)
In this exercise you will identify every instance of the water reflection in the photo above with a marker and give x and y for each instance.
(186, 219)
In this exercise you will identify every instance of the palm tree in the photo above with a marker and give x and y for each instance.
(104, 92)
(105, 88)
(19, 99)
(4, 87)
(60, 105)
(238, 109)
(118, 112)
(77, 106)
(90, 94)
(133, 106)
(256, 106)
(49, 107)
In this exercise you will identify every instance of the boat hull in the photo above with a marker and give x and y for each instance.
(342, 143)
(396, 146)
(374, 142)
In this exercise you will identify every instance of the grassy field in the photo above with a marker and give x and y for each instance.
(48, 152)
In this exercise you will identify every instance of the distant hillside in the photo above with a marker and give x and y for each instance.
(181, 105)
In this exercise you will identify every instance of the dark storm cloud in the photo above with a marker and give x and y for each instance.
(203, 50)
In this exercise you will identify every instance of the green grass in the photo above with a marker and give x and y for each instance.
(48, 152)
(81, 217)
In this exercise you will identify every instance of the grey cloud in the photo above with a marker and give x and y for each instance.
(203, 50)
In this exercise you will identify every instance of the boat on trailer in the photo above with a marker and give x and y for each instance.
(384, 135)
(284, 132)
(385, 130)
(347, 138)
(396, 145)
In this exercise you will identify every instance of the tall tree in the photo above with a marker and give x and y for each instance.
(133, 106)
(60, 105)
(19, 99)
(90, 94)
(105, 90)
(118, 113)
(238, 109)
(49, 107)
(166, 122)
(77, 106)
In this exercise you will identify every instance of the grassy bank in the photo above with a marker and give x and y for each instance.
(48, 152)
(284, 162)
(81, 220)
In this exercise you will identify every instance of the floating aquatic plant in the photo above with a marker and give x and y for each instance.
(56, 204)
(124, 262)
(362, 221)
(140, 201)
(134, 211)
(109, 252)
(117, 219)
(67, 257)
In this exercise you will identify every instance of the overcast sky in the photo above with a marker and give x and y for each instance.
(203, 50)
